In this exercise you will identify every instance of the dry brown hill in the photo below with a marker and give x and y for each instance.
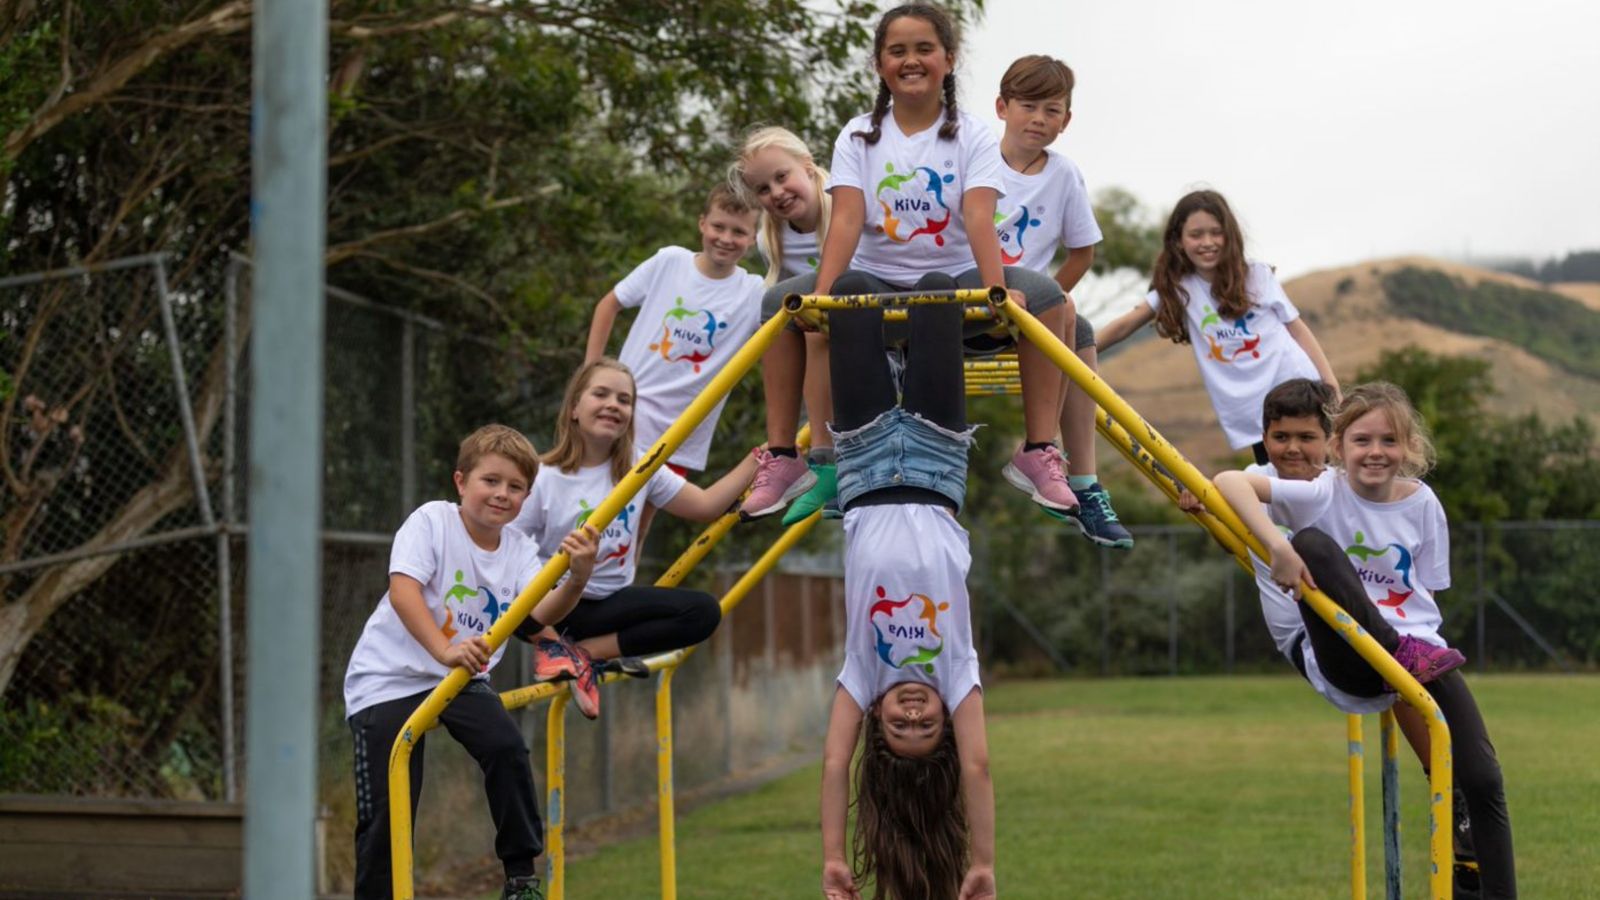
(1349, 312)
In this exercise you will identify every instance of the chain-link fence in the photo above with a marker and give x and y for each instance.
(1524, 595)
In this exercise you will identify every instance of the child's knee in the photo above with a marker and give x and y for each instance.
(1313, 544)
(701, 617)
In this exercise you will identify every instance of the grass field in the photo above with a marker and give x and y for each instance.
(1175, 788)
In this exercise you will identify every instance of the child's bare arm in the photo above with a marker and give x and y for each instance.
(698, 504)
(844, 727)
(972, 743)
(1301, 332)
(844, 232)
(977, 214)
(580, 547)
(1245, 492)
(1078, 261)
(605, 316)
(1124, 325)
(405, 595)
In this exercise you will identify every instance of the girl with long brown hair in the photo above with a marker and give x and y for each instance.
(908, 694)
(1247, 336)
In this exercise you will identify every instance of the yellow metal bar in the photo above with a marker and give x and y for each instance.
(988, 390)
(1358, 809)
(1186, 474)
(666, 812)
(555, 771)
(966, 297)
(427, 714)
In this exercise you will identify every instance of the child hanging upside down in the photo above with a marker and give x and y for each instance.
(924, 802)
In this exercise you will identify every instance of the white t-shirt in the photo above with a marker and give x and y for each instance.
(913, 188)
(1242, 359)
(800, 252)
(1282, 615)
(466, 588)
(561, 501)
(688, 327)
(1043, 211)
(907, 617)
(1401, 549)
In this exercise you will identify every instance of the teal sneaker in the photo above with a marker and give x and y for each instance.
(1096, 519)
(826, 488)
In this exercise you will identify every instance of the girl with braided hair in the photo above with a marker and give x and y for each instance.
(913, 189)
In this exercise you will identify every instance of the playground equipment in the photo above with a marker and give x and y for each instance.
(1133, 436)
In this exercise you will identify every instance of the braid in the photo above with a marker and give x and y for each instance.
(880, 108)
(947, 131)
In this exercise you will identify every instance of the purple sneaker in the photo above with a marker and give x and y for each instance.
(1425, 661)
(1038, 473)
(779, 479)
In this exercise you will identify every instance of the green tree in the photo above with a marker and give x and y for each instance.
(1491, 467)
(1132, 233)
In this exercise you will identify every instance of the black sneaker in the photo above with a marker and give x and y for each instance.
(525, 887)
(631, 666)
(1468, 885)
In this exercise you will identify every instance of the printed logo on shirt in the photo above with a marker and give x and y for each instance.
(1376, 567)
(913, 203)
(1013, 234)
(1227, 342)
(688, 335)
(468, 610)
(619, 533)
(907, 631)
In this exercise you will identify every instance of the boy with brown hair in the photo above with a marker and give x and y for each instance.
(1046, 205)
(453, 571)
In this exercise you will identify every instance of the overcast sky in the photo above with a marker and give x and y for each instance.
(1338, 131)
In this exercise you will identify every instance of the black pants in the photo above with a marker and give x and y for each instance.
(1477, 770)
(645, 620)
(481, 724)
(933, 384)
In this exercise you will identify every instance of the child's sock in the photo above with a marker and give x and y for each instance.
(783, 451)
(1082, 482)
(822, 456)
(1031, 446)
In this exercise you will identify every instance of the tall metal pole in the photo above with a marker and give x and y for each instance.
(288, 164)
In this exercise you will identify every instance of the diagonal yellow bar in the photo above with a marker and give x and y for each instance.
(426, 715)
(1184, 473)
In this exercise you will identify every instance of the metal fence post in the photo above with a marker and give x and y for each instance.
(289, 166)
(1227, 618)
(1483, 598)
(1172, 603)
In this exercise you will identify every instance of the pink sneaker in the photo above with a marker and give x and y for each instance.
(1425, 661)
(553, 661)
(585, 686)
(779, 479)
(1038, 474)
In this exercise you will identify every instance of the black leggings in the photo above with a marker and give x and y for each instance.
(645, 620)
(1477, 770)
(933, 384)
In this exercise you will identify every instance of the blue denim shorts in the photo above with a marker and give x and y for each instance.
(901, 448)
